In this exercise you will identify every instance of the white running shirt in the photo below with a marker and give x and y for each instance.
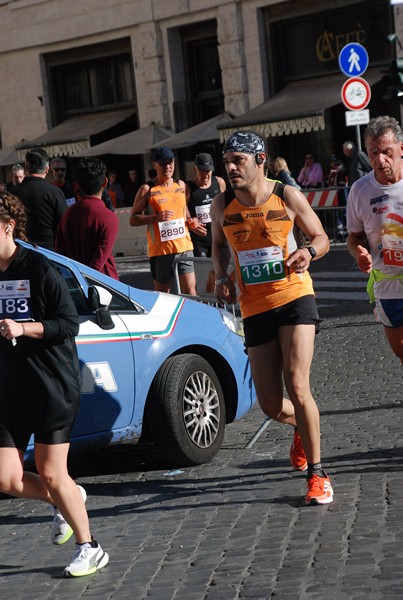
(377, 210)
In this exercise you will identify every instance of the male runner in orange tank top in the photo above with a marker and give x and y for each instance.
(161, 205)
(254, 221)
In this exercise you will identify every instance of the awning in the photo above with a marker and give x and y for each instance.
(298, 108)
(73, 135)
(135, 142)
(8, 156)
(202, 132)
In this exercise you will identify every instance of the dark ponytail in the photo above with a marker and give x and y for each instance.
(11, 208)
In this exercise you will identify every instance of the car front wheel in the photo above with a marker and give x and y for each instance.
(186, 410)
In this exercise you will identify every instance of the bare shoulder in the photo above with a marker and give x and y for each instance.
(221, 183)
(217, 205)
(143, 189)
(141, 197)
(218, 200)
(294, 198)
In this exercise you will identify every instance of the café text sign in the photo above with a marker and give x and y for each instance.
(277, 128)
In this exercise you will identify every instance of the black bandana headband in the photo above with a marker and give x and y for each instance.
(248, 142)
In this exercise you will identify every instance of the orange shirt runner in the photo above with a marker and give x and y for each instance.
(168, 237)
(261, 239)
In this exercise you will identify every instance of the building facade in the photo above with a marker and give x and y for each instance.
(78, 73)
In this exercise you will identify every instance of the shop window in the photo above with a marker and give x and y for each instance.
(91, 78)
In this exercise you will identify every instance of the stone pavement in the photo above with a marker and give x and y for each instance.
(236, 528)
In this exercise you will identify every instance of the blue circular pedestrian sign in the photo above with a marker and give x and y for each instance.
(353, 59)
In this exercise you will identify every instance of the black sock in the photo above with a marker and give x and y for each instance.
(315, 469)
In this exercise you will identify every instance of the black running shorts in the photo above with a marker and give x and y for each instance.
(20, 439)
(263, 327)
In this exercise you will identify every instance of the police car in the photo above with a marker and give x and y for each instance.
(154, 362)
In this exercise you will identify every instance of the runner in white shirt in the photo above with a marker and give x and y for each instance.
(375, 224)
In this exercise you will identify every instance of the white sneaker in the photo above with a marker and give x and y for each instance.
(61, 531)
(87, 559)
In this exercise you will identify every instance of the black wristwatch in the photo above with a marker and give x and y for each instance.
(311, 251)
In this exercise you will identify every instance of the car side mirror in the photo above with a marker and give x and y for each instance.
(99, 299)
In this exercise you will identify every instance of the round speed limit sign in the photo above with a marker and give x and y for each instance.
(356, 93)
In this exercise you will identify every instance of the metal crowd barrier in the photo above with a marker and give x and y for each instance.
(330, 206)
(205, 278)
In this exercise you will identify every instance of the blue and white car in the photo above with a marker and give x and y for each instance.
(154, 362)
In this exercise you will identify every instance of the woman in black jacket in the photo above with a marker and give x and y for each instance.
(39, 386)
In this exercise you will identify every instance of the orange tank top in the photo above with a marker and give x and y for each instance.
(261, 239)
(168, 237)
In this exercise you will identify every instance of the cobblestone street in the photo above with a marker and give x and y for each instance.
(236, 528)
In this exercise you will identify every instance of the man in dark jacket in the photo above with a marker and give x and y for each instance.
(358, 163)
(44, 202)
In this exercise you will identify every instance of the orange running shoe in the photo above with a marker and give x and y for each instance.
(319, 490)
(297, 454)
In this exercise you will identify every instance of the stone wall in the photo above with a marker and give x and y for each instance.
(130, 241)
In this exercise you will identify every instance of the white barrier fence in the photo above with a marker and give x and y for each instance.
(323, 198)
(329, 204)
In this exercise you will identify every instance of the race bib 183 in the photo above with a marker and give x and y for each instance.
(263, 265)
(15, 300)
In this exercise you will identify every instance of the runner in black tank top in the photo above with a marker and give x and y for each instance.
(199, 194)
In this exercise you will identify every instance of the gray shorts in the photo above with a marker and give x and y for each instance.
(162, 267)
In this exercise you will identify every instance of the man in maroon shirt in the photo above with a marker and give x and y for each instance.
(88, 230)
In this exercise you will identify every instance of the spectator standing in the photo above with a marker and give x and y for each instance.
(88, 230)
(45, 203)
(40, 389)
(107, 200)
(16, 177)
(253, 221)
(115, 190)
(280, 171)
(337, 177)
(375, 224)
(161, 206)
(131, 187)
(58, 168)
(199, 193)
(358, 163)
(311, 174)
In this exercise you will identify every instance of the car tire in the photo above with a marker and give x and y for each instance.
(186, 410)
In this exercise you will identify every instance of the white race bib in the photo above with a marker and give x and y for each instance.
(203, 213)
(392, 250)
(15, 300)
(263, 265)
(172, 230)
